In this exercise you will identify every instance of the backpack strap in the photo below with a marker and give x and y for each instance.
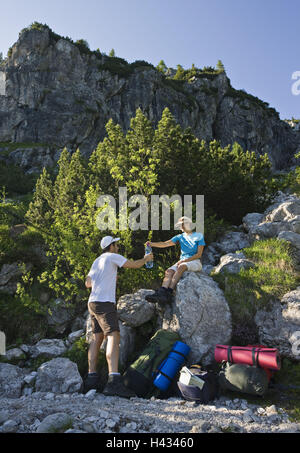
(255, 358)
(180, 353)
(229, 355)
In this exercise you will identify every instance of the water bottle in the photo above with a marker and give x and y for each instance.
(148, 250)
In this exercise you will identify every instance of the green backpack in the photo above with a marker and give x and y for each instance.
(243, 378)
(140, 375)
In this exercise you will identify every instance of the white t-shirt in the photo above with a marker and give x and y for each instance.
(104, 277)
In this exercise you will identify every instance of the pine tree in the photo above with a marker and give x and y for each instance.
(112, 53)
(162, 67)
(220, 66)
(180, 73)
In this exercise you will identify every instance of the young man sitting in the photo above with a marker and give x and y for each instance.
(192, 245)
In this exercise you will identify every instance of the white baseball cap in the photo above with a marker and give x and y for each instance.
(183, 220)
(107, 241)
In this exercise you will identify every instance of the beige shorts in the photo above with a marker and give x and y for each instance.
(192, 266)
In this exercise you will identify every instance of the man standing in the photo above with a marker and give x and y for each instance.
(102, 278)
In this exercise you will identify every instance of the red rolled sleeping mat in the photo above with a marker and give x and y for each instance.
(249, 355)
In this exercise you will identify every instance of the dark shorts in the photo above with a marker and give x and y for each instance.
(104, 317)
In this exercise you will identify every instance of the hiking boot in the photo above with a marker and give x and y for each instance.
(116, 387)
(165, 297)
(153, 298)
(90, 383)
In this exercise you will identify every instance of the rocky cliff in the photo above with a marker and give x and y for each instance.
(55, 93)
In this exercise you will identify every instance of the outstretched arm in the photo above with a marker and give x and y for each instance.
(161, 245)
(130, 264)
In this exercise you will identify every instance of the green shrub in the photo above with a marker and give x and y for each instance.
(79, 355)
(15, 180)
(19, 321)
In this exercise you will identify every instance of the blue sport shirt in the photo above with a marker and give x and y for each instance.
(189, 243)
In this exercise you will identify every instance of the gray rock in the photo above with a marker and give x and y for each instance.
(10, 426)
(233, 241)
(91, 394)
(58, 376)
(200, 314)
(75, 335)
(25, 348)
(233, 263)
(290, 236)
(127, 342)
(201, 427)
(9, 272)
(61, 316)
(252, 220)
(10, 275)
(288, 428)
(4, 415)
(48, 348)
(11, 380)
(271, 410)
(50, 396)
(78, 324)
(286, 211)
(15, 354)
(134, 310)
(277, 326)
(27, 391)
(55, 423)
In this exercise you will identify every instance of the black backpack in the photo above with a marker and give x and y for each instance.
(209, 391)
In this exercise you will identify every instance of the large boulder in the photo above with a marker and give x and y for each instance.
(15, 354)
(210, 255)
(127, 342)
(232, 241)
(61, 317)
(9, 276)
(48, 349)
(251, 220)
(280, 326)
(200, 314)
(60, 375)
(11, 380)
(134, 310)
(233, 263)
(282, 215)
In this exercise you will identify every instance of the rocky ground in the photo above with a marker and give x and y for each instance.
(96, 413)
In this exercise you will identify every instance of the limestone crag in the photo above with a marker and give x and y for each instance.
(52, 94)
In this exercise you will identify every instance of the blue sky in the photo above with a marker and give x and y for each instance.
(258, 41)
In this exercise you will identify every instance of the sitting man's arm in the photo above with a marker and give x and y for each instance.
(130, 264)
(162, 245)
(197, 256)
(88, 282)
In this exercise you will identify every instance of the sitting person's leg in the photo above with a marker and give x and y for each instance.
(162, 294)
(168, 277)
(178, 274)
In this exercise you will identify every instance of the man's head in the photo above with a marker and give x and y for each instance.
(185, 223)
(110, 244)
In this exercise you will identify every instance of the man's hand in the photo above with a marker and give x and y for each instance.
(148, 257)
(88, 282)
(180, 262)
